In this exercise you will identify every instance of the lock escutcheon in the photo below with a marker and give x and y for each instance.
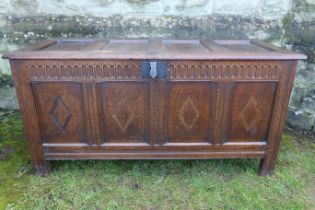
(153, 69)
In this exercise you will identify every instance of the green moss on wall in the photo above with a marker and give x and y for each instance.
(24, 29)
(299, 28)
(5, 80)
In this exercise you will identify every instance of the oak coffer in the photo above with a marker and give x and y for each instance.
(153, 99)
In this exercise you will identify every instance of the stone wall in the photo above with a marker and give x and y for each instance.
(287, 23)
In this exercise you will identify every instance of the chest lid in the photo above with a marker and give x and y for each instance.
(153, 48)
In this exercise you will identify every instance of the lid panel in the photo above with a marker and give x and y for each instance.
(76, 45)
(183, 46)
(240, 46)
(127, 45)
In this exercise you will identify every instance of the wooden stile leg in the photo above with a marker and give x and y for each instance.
(43, 169)
(265, 169)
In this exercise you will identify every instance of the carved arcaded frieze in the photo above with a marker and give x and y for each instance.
(84, 71)
(217, 71)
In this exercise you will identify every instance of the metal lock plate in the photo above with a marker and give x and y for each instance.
(153, 69)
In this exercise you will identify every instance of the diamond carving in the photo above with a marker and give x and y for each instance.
(188, 113)
(60, 114)
(123, 114)
(250, 113)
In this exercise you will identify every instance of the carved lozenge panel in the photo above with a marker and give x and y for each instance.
(124, 112)
(59, 110)
(252, 105)
(188, 112)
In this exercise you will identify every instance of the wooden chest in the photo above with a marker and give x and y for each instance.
(153, 99)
